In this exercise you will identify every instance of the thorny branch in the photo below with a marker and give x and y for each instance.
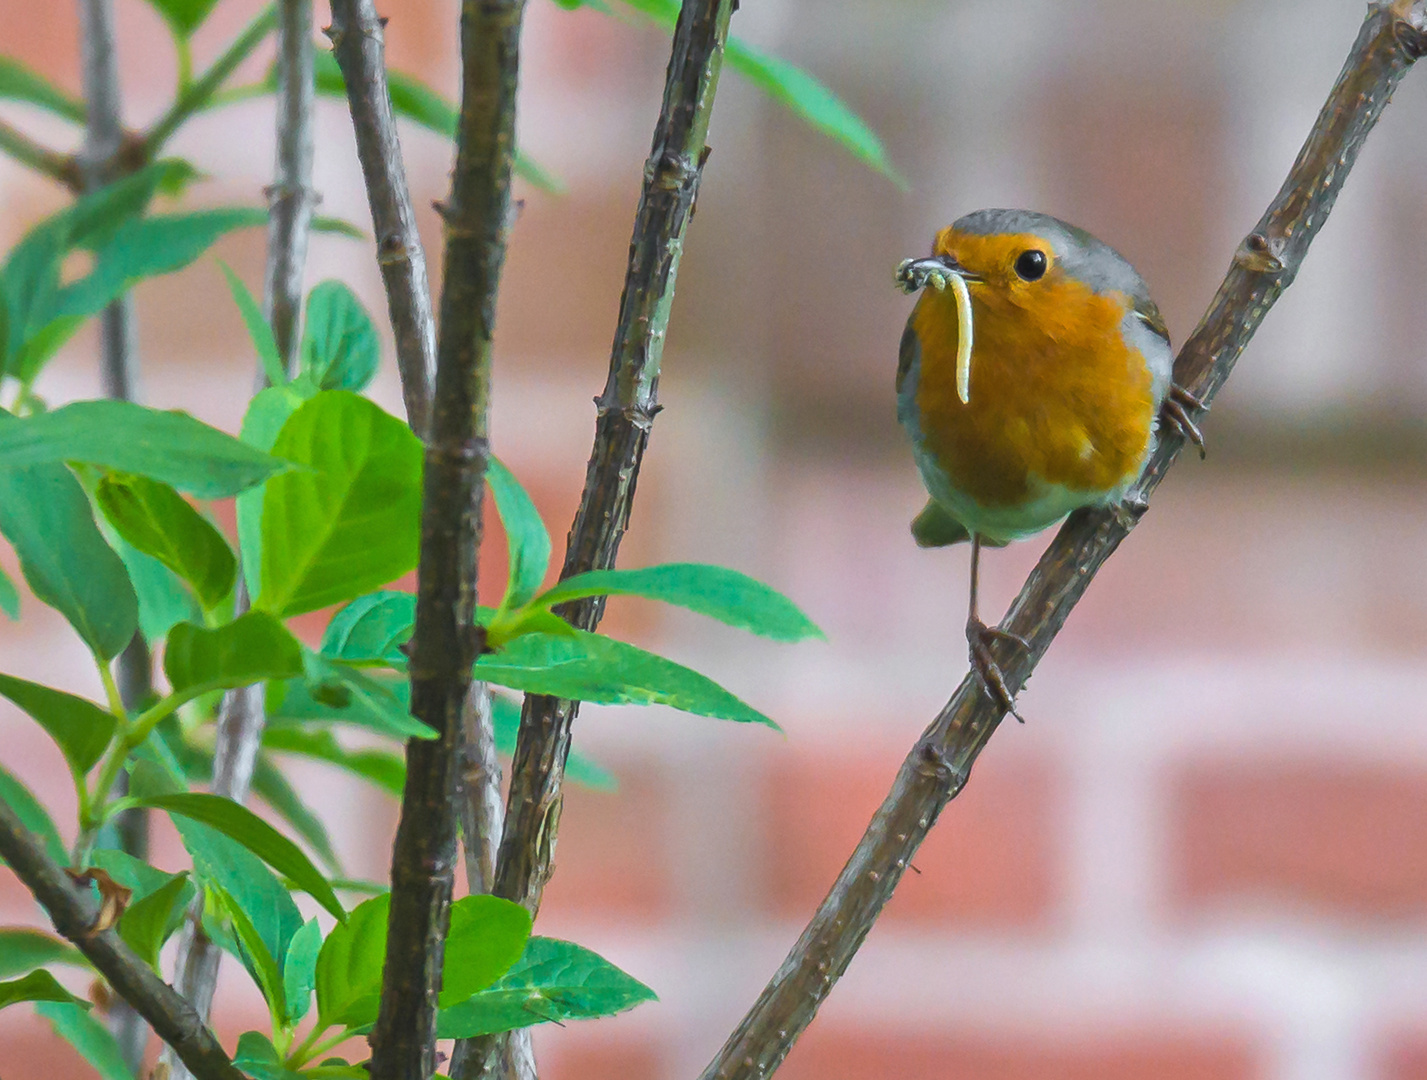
(74, 915)
(359, 47)
(937, 768)
(446, 640)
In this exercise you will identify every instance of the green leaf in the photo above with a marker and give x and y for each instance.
(594, 668)
(336, 692)
(183, 16)
(158, 521)
(164, 600)
(371, 629)
(47, 518)
(76, 1026)
(267, 413)
(22, 950)
(299, 970)
(526, 538)
(417, 102)
(171, 447)
(259, 1058)
(384, 768)
(251, 648)
(151, 920)
(20, 83)
(246, 878)
(9, 596)
(720, 593)
(486, 937)
(258, 959)
(350, 523)
(258, 329)
(36, 986)
(335, 226)
(340, 350)
(812, 102)
(143, 248)
(273, 788)
(552, 981)
(349, 966)
(81, 728)
(33, 816)
(257, 836)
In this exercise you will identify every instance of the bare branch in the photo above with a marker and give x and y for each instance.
(446, 640)
(73, 913)
(57, 166)
(359, 47)
(1392, 38)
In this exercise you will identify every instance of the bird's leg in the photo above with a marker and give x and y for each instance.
(1176, 409)
(980, 638)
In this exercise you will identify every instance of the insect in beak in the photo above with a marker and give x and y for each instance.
(939, 271)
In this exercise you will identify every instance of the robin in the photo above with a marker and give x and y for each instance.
(1032, 375)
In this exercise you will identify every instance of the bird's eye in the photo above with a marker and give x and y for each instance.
(1031, 264)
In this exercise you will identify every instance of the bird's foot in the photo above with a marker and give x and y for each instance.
(1176, 409)
(980, 638)
(914, 275)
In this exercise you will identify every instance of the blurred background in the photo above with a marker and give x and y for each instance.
(1205, 856)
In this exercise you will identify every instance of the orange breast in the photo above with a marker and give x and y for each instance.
(1056, 394)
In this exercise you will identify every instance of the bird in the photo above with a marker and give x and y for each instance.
(1031, 380)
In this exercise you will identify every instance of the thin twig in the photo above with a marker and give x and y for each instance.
(74, 914)
(1392, 38)
(57, 166)
(446, 640)
(478, 798)
(359, 47)
(101, 161)
(626, 411)
(241, 717)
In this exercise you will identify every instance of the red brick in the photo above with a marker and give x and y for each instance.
(1164, 1055)
(988, 861)
(1343, 839)
(593, 1057)
(1402, 1057)
(612, 857)
(32, 1051)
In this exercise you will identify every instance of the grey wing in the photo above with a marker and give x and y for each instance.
(1144, 328)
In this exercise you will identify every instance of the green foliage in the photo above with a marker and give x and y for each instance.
(32, 815)
(259, 1058)
(331, 691)
(267, 413)
(384, 768)
(258, 330)
(156, 520)
(240, 824)
(46, 516)
(350, 521)
(247, 650)
(36, 986)
(255, 954)
(552, 981)
(156, 907)
(183, 16)
(720, 593)
(270, 785)
(339, 350)
(9, 596)
(21, 83)
(80, 728)
(527, 539)
(22, 950)
(75, 1025)
(170, 447)
(299, 970)
(164, 599)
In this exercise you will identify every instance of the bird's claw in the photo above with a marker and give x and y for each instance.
(980, 638)
(916, 274)
(1177, 406)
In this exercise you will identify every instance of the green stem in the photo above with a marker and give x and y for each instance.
(311, 1046)
(16, 144)
(185, 63)
(198, 94)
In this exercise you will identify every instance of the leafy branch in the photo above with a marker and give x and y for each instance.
(1392, 38)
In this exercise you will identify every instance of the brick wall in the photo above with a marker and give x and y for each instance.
(1203, 858)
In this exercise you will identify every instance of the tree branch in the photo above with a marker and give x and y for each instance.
(359, 46)
(1392, 38)
(74, 914)
(446, 640)
(57, 166)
